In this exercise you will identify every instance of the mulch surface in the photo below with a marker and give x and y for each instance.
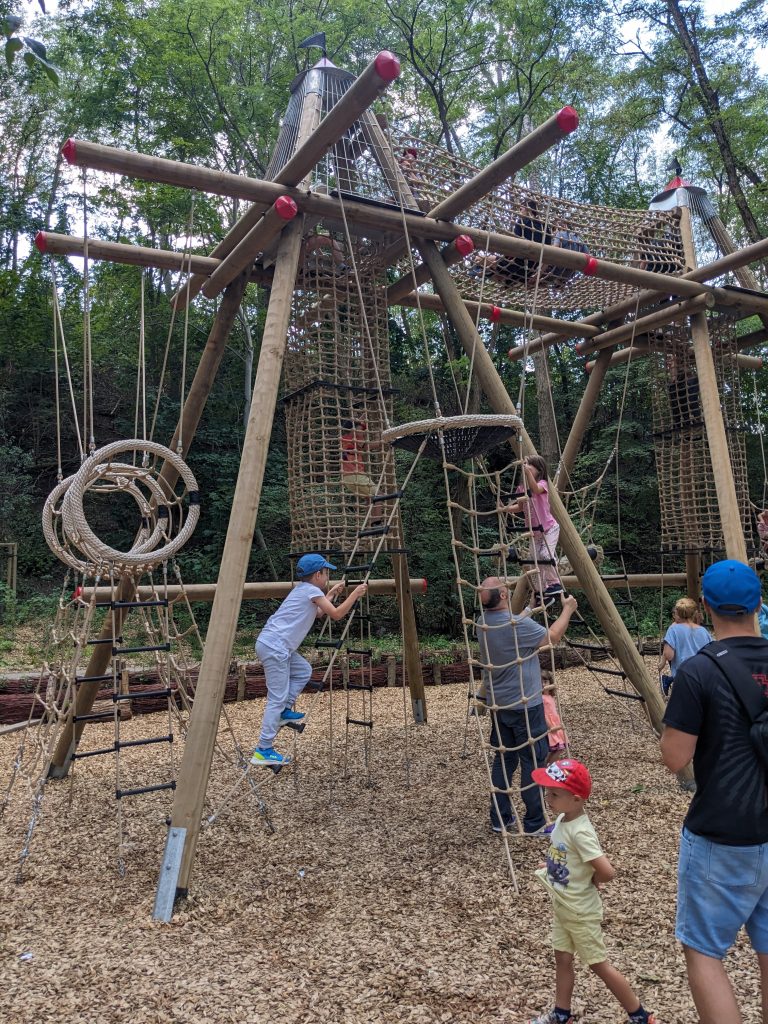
(383, 903)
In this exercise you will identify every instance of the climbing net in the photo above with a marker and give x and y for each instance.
(690, 518)
(503, 648)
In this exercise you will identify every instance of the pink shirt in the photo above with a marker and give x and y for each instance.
(538, 504)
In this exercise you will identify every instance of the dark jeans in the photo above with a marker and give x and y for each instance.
(510, 728)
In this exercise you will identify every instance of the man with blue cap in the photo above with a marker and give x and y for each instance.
(285, 671)
(723, 867)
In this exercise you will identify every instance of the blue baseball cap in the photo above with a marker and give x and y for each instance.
(307, 565)
(731, 588)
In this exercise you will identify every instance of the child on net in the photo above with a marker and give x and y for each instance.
(574, 868)
(533, 501)
(556, 735)
(285, 671)
(684, 638)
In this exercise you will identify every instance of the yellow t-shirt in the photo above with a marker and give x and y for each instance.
(568, 873)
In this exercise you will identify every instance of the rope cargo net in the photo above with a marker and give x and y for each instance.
(337, 398)
(488, 542)
(400, 171)
(690, 517)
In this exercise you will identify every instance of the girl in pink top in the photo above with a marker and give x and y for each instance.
(545, 531)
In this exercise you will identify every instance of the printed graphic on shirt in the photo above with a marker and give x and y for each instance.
(557, 865)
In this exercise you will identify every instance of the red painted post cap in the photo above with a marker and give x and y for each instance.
(69, 151)
(495, 314)
(580, 345)
(464, 245)
(591, 267)
(567, 120)
(41, 241)
(424, 586)
(285, 207)
(387, 66)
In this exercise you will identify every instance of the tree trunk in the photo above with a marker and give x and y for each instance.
(710, 105)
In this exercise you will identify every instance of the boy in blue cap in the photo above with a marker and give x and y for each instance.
(723, 867)
(285, 671)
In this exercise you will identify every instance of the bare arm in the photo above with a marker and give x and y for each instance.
(533, 484)
(336, 612)
(667, 654)
(604, 870)
(677, 748)
(557, 630)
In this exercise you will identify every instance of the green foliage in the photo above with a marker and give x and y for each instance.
(33, 52)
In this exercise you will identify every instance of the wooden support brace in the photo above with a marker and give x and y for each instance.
(195, 765)
(750, 254)
(640, 351)
(262, 235)
(271, 591)
(717, 442)
(453, 253)
(659, 318)
(496, 314)
(50, 242)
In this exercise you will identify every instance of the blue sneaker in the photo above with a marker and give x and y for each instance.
(289, 715)
(268, 758)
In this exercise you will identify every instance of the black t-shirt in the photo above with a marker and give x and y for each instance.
(730, 805)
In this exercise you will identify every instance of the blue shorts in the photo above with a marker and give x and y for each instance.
(719, 889)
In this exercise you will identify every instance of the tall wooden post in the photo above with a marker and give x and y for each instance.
(204, 720)
(189, 419)
(581, 420)
(730, 516)
(570, 541)
(411, 653)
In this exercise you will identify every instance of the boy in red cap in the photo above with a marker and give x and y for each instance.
(575, 867)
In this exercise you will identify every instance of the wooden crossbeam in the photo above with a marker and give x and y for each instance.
(496, 314)
(251, 591)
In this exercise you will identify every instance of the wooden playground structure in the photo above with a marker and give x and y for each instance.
(340, 168)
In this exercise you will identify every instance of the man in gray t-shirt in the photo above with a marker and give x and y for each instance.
(509, 646)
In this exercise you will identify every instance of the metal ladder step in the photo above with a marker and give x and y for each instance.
(624, 694)
(121, 793)
(140, 650)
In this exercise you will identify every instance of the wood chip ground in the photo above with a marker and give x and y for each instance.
(389, 903)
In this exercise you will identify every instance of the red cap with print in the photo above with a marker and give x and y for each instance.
(566, 774)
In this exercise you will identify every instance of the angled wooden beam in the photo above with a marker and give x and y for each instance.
(263, 234)
(750, 254)
(587, 406)
(717, 441)
(453, 253)
(496, 314)
(636, 328)
(524, 152)
(195, 767)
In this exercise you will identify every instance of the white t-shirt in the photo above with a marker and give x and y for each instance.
(568, 873)
(286, 629)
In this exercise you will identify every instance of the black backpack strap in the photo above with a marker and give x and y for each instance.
(739, 677)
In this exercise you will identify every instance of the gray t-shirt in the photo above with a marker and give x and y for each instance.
(503, 641)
